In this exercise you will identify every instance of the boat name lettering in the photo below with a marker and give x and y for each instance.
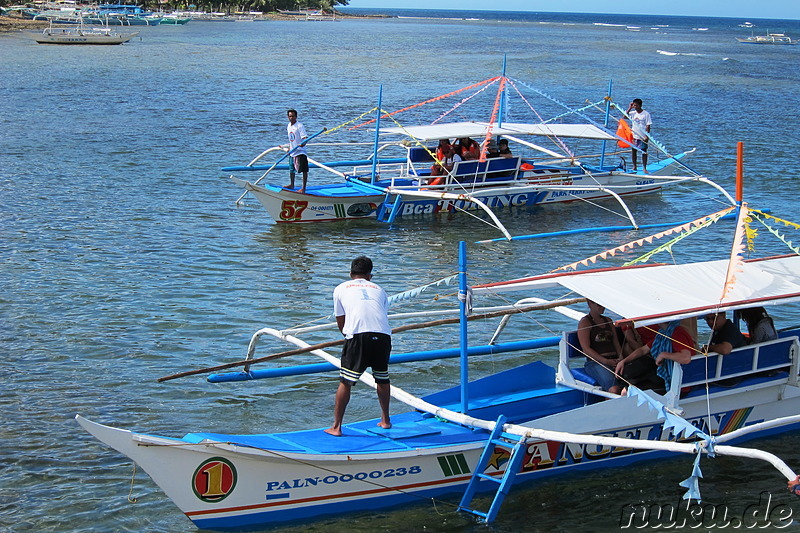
(299, 483)
(548, 454)
(417, 209)
(504, 200)
(560, 194)
(645, 182)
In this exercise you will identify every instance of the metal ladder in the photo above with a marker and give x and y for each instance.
(392, 208)
(505, 481)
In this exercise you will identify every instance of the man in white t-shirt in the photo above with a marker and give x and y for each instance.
(297, 136)
(640, 127)
(362, 314)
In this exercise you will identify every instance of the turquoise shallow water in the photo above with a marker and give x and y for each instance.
(123, 257)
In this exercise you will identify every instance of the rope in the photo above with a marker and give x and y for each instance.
(131, 498)
(434, 99)
(462, 102)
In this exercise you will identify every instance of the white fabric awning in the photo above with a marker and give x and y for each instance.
(657, 293)
(478, 130)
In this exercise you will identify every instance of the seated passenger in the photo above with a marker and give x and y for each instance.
(446, 158)
(600, 344)
(491, 149)
(503, 149)
(760, 327)
(671, 344)
(639, 371)
(468, 149)
(726, 336)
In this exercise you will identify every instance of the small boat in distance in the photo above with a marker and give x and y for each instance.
(82, 35)
(769, 38)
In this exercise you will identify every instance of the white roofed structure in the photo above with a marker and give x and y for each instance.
(479, 130)
(650, 294)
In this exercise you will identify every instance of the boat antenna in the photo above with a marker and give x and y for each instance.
(377, 133)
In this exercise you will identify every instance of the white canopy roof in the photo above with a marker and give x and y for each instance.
(653, 294)
(478, 130)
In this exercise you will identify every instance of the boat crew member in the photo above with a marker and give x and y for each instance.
(361, 308)
(640, 127)
(600, 343)
(297, 136)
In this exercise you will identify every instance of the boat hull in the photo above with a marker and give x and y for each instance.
(226, 482)
(79, 38)
(322, 204)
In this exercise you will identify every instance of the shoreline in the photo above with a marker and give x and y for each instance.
(11, 24)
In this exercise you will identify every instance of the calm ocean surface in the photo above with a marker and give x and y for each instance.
(123, 257)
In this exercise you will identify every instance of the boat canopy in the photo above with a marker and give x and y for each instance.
(656, 293)
(455, 130)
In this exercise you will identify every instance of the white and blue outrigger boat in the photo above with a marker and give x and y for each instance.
(393, 178)
(517, 426)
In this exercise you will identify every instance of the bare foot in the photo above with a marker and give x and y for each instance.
(385, 425)
(646, 172)
(334, 432)
(290, 186)
(302, 191)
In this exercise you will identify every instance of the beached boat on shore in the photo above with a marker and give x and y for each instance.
(521, 425)
(395, 177)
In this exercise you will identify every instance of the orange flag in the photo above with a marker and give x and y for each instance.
(624, 132)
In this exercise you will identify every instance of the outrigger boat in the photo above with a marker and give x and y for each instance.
(82, 35)
(769, 38)
(394, 178)
(520, 425)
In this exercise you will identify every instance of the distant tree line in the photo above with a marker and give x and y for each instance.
(267, 6)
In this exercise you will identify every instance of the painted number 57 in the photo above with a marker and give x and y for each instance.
(293, 209)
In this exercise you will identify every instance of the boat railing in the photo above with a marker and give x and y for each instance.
(777, 359)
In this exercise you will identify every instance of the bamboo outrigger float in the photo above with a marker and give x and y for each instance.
(520, 425)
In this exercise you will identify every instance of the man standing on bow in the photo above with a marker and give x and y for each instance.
(297, 137)
(641, 121)
(362, 314)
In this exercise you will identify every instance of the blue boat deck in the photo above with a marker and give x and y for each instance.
(522, 394)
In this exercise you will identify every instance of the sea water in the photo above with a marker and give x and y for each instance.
(124, 258)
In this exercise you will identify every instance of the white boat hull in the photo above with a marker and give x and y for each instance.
(221, 485)
(285, 205)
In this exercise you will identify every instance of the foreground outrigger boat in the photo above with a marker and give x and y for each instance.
(393, 179)
(517, 426)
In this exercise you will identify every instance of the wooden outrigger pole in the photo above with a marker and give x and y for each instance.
(400, 329)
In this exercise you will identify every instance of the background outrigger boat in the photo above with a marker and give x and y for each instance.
(519, 425)
(394, 178)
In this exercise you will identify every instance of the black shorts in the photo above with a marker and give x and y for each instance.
(366, 350)
(301, 163)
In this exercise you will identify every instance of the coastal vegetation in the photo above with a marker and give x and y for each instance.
(265, 6)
